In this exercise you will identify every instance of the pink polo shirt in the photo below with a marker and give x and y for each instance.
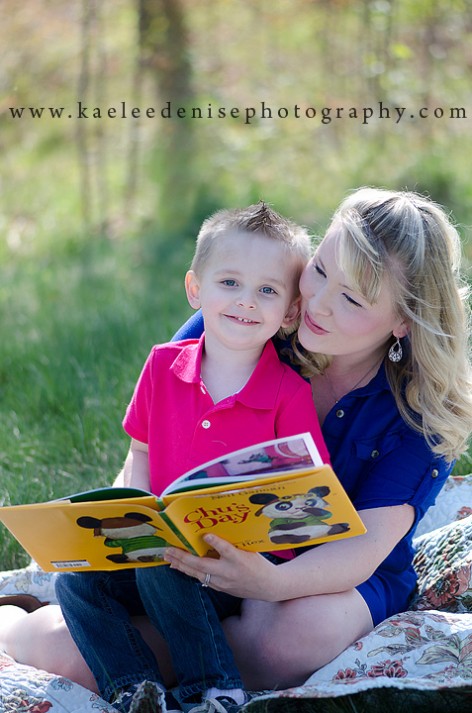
(174, 414)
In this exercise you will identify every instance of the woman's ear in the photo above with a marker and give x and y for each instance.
(192, 288)
(292, 313)
(401, 330)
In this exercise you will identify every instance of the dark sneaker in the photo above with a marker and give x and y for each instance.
(145, 697)
(148, 698)
(24, 601)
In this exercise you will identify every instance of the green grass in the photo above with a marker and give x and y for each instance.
(79, 327)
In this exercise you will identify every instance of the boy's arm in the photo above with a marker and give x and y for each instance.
(135, 471)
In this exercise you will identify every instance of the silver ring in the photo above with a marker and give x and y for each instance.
(206, 581)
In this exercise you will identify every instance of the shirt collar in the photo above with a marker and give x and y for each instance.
(187, 365)
(262, 387)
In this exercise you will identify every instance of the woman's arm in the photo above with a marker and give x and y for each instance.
(192, 329)
(343, 564)
(331, 567)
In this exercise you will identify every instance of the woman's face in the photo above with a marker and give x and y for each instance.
(335, 319)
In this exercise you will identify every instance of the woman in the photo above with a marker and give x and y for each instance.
(384, 338)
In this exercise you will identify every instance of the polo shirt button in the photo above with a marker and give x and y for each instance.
(340, 413)
(375, 453)
(206, 424)
(434, 473)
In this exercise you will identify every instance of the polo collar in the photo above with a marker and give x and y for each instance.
(262, 387)
(187, 366)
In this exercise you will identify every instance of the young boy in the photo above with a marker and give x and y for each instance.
(194, 401)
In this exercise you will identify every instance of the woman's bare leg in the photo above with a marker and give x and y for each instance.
(276, 645)
(42, 639)
(280, 644)
(9, 614)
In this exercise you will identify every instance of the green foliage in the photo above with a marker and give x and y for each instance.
(115, 174)
(464, 464)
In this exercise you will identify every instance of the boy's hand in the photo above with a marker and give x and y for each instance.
(247, 575)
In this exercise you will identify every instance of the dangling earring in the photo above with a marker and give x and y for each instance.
(395, 353)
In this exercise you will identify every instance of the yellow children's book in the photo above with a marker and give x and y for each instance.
(272, 496)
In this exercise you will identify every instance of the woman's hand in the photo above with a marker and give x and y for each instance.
(243, 574)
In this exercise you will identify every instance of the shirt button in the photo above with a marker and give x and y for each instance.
(340, 413)
(202, 388)
(434, 473)
(375, 453)
(206, 424)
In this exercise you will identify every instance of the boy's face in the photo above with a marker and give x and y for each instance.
(247, 290)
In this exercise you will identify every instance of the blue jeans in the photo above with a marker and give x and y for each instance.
(188, 617)
(97, 607)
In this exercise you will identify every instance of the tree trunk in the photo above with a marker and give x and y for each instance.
(164, 47)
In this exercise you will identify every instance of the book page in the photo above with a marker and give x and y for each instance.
(283, 455)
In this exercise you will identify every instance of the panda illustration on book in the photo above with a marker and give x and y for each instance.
(298, 518)
(132, 533)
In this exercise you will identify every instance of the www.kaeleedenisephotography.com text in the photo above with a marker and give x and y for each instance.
(257, 111)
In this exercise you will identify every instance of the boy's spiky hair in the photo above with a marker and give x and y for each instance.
(258, 218)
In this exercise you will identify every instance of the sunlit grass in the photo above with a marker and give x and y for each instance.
(80, 327)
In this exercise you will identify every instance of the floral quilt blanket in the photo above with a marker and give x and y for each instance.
(425, 650)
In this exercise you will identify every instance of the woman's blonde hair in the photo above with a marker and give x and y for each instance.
(410, 240)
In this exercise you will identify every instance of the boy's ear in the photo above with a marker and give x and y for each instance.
(192, 288)
(292, 313)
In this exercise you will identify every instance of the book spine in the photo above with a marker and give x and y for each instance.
(176, 530)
